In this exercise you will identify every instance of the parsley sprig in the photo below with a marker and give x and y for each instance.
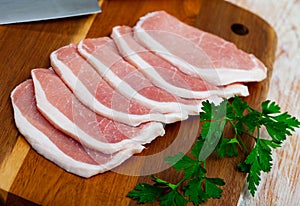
(246, 122)
(195, 186)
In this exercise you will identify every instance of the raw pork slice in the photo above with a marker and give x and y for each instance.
(59, 105)
(165, 75)
(55, 145)
(196, 52)
(89, 87)
(122, 76)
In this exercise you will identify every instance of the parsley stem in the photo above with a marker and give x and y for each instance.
(179, 183)
(238, 136)
(232, 124)
(243, 143)
(250, 135)
(172, 186)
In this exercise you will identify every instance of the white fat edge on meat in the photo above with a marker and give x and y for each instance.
(42, 144)
(226, 74)
(147, 41)
(70, 127)
(189, 109)
(158, 80)
(90, 101)
(149, 70)
(128, 91)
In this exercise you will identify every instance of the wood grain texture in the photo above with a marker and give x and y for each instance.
(26, 46)
(282, 183)
(11, 165)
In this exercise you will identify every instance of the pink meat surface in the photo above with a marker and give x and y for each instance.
(125, 78)
(92, 90)
(59, 105)
(165, 75)
(55, 145)
(196, 52)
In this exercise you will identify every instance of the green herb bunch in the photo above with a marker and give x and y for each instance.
(246, 122)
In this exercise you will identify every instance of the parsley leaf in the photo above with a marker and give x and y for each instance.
(238, 106)
(279, 126)
(259, 159)
(212, 189)
(269, 107)
(213, 123)
(180, 161)
(195, 186)
(228, 147)
(194, 191)
(251, 120)
(145, 193)
(173, 198)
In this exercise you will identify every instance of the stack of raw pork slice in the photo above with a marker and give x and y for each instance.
(105, 98)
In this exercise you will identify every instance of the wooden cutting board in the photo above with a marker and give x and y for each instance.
(26, 178)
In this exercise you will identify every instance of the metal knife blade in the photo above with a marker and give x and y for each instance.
(16, 11)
